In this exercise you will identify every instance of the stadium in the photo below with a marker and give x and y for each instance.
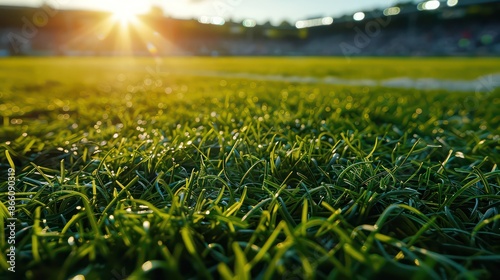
(466, 27)
(232, 139)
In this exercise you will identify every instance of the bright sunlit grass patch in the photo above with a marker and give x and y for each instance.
(126, 168)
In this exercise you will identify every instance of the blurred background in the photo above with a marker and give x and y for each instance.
(246, 28)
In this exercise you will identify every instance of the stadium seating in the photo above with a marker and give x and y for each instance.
(470, 28)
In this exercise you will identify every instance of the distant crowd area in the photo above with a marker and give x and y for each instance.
(467, 28)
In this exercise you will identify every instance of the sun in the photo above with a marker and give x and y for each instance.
(124, 14)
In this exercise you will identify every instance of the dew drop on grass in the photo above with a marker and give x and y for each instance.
(146, 225)
(147, 266)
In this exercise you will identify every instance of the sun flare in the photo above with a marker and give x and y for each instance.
(125, 30)
(125, 15)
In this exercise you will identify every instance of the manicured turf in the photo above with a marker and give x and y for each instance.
(141, 168)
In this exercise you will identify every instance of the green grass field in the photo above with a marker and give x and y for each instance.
(147, 169)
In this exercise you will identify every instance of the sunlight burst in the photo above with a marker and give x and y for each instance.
(125, 15)
(124, 31)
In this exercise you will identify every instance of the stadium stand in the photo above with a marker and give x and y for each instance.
(469, 28)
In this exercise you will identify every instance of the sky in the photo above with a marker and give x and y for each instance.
(260, 10)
